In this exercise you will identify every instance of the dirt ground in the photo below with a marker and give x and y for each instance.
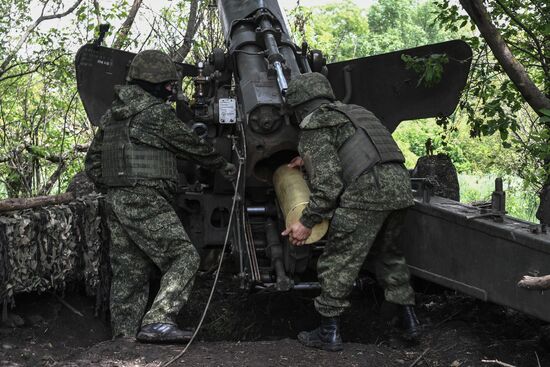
(260, 330)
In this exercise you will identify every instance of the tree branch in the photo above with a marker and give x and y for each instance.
(39, 65)
(519, 48)
(530, 33)
(97, 10)
(157, 33)
(10, 155)
(124, 30)
(32, 150)
(77, 148)
(535, 283)
(34, 202)
(192, 23)
(31, 29)
(47, 187)
(515, 71)
(81, 148)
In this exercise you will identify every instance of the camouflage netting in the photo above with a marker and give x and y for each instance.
(441, 170)
(48, 248)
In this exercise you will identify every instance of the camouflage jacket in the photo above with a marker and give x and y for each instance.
(386, 187)
(154, 123)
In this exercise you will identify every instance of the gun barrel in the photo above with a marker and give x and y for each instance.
(264, 56)
(234, 11)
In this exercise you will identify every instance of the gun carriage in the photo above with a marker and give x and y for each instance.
(239, 106)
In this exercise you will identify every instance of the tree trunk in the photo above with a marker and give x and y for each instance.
(515, 71)
(47, 187)
(97, 9)
(27, 203)
(543, 212)
(122, 34)
(535, 283)
(192, 25)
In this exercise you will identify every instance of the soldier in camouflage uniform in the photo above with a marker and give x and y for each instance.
(133, 157)
(358, 181)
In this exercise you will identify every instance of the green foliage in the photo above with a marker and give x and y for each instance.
(429, 68)
(42, 122)
(338, 29)
(478, 160)
(400, 24)
(345, 31)
(475, 156)
(491, 102)
(44, 129)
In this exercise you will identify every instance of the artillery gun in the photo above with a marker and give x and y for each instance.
(239, 106)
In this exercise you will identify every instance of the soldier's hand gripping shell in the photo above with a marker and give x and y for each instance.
(298, 233)
(296, 162)
(229, 172)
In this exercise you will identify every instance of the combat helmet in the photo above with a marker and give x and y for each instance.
(306, 87)
(152, 66)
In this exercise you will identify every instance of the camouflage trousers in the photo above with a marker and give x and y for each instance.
(353, 233)
(146, 232)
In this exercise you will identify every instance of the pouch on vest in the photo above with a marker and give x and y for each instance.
(124, 163)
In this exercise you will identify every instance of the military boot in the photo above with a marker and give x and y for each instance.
(163, 333)
(410, 323)
(326, 336)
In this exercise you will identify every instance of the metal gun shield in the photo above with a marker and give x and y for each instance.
(99, 69)
(383, 85)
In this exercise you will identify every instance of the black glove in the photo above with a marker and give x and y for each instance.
(229, 172)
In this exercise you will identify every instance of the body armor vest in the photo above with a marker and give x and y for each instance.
(371, 144)
(124, 163)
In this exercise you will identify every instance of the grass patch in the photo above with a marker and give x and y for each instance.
(520, 203)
